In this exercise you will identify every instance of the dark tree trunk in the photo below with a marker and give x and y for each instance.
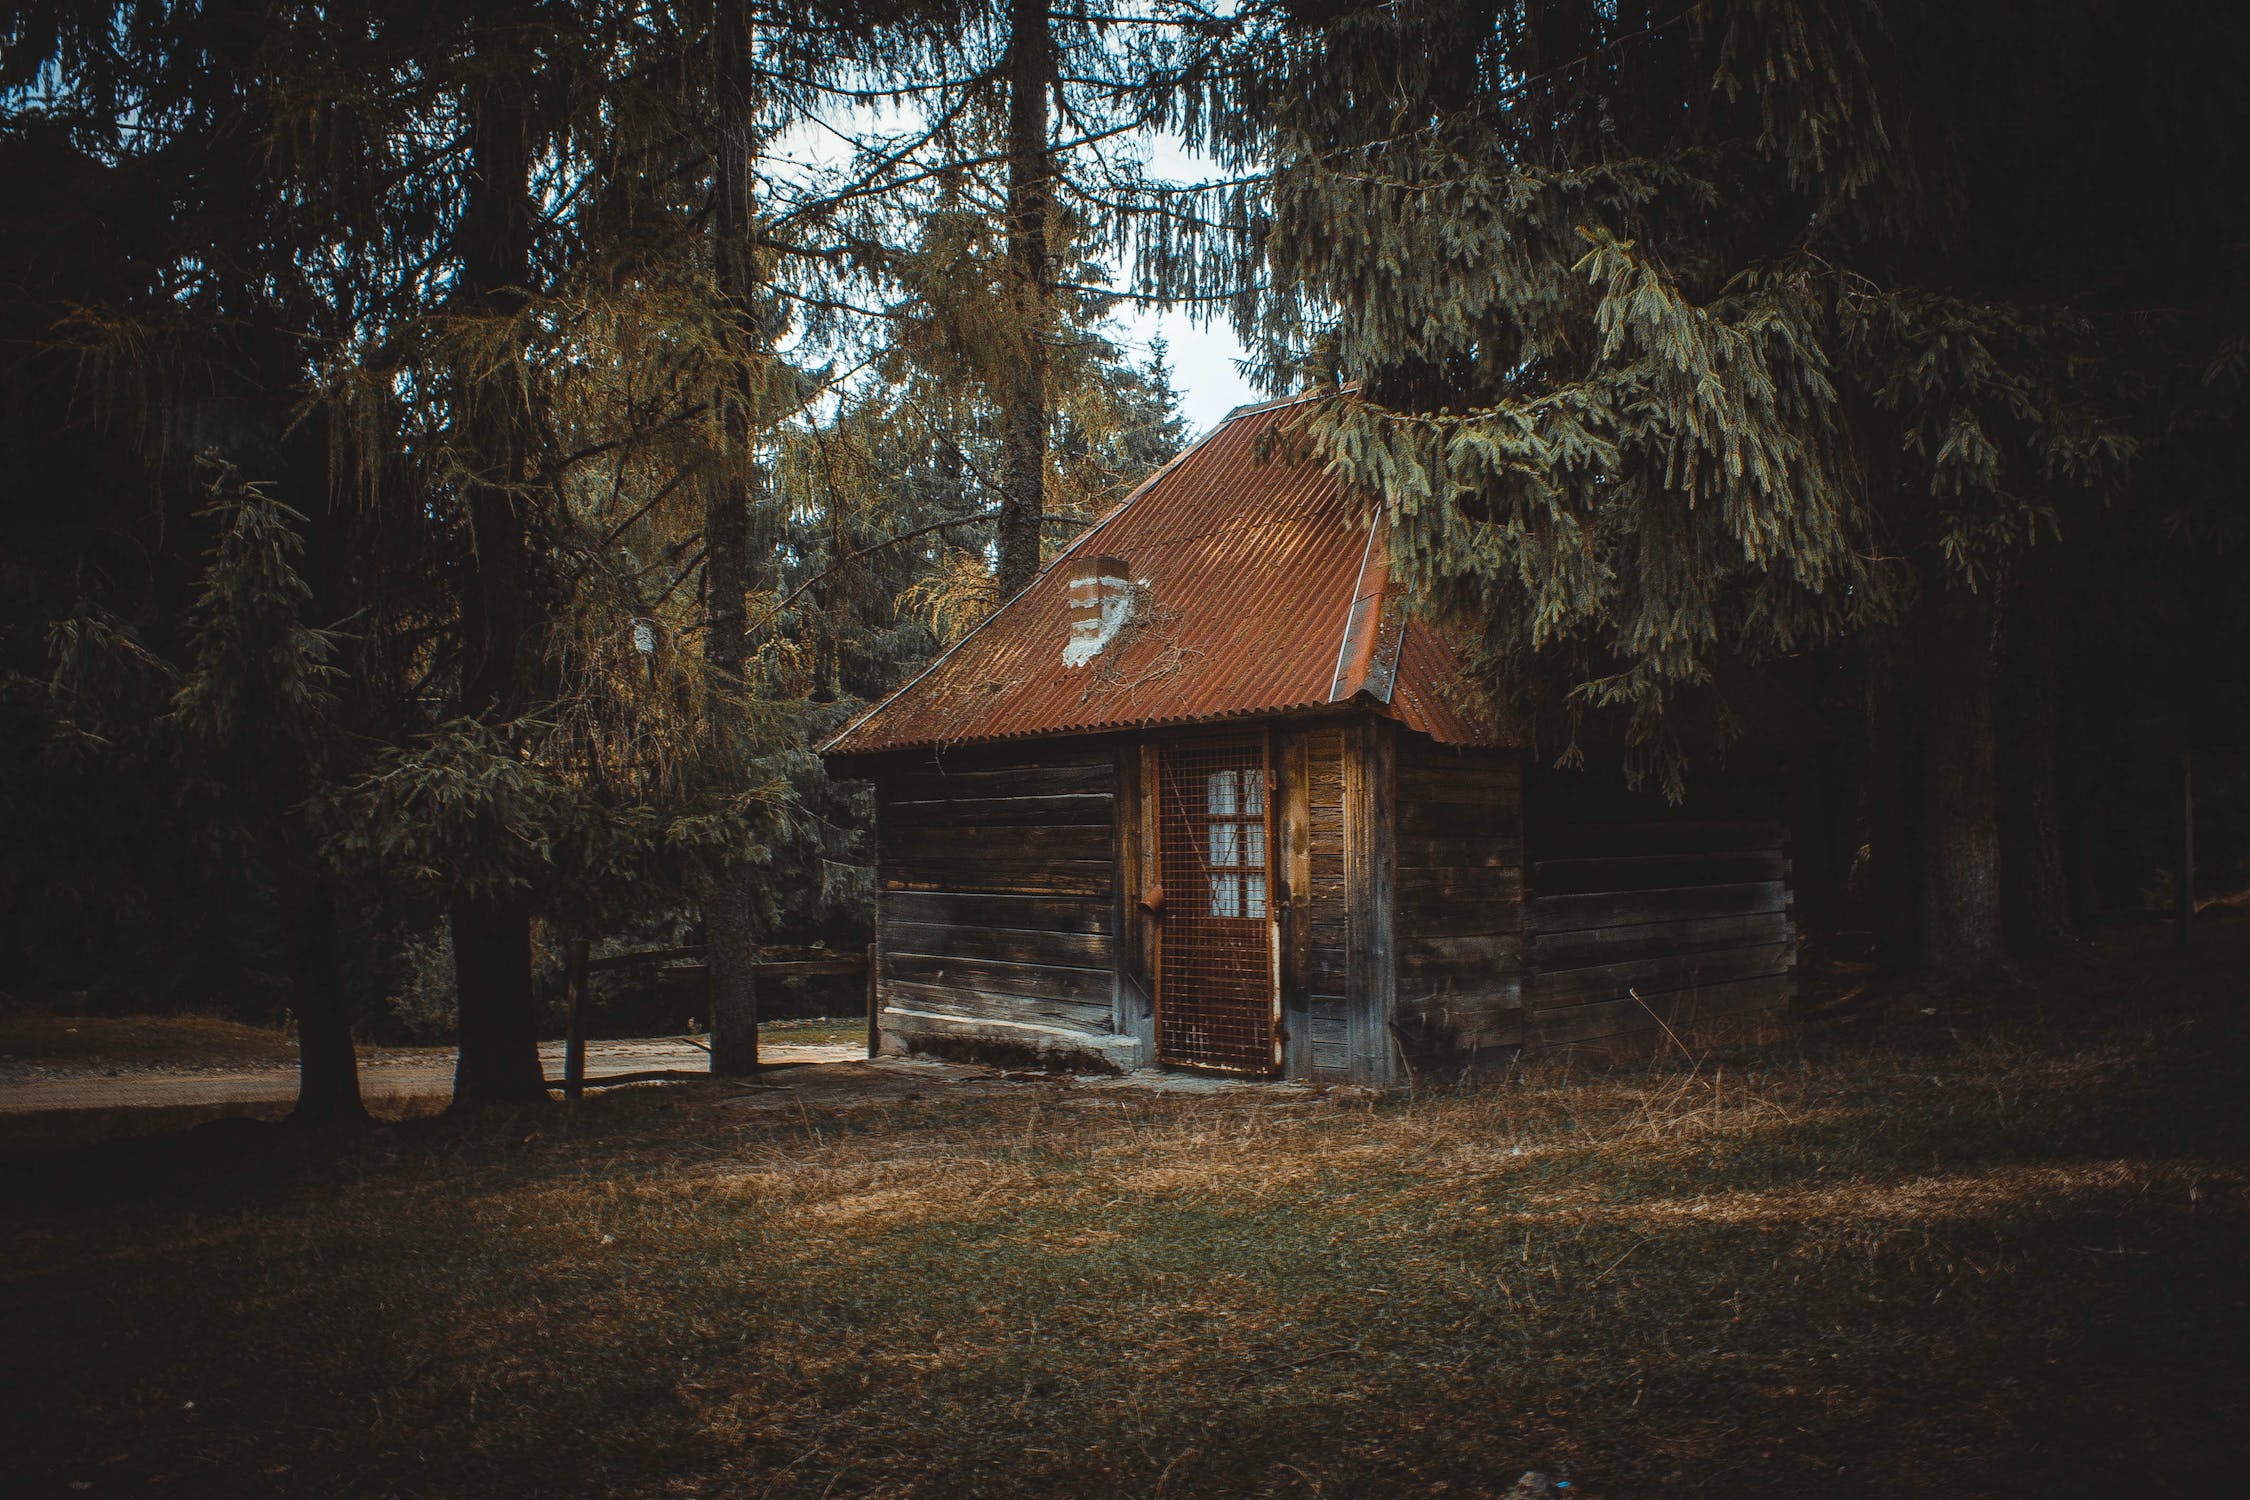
(499, 1057)
(1887, 883)
(2079, 759)
(2187, 844)
(327, 1066)
(328, 1094)
(729, 932)
(1962, 930)
(1023, 419)
(492, 938)
(2085, 852)
(1812, 848)
(2036, 891)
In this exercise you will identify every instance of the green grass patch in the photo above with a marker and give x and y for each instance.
(826, 1031)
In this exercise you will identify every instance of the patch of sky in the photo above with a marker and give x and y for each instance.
(816, 155)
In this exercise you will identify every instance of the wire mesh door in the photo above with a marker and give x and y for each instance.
(1215, 1005)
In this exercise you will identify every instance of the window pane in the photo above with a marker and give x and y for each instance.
(1226, 844)
(1226, 895)
(1219, 794)
(1253, 794)
(1255, 854)
(1254, 895)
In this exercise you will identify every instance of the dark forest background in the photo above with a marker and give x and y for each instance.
(457, 461)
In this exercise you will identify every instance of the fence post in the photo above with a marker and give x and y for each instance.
(874, 1006)
(574, 1043)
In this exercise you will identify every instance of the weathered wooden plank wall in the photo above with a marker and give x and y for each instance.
(1370, 873)
(1460, 902)
(1645, 916)
(1138, 873)
(1315, 947)
(997, 911)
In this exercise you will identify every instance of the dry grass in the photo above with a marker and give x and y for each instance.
(1934, 1256)
(826, 1031)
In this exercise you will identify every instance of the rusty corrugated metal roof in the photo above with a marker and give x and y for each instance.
(1260, 594)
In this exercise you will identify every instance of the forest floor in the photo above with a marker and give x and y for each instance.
(38, 1047)
(71, 1080)
(1991, 1242)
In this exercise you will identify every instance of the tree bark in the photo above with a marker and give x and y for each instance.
(499, 1036)
(1962, 930)
(328, 1095)
(2085, 844)
(1888, 883)
(328, 1092)
(729, 930)
(498, 1062)
(2036, 891)
(1023, 419)
(2187, 844)
(1817, 888)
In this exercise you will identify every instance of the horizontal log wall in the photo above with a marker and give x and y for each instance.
(997, 924)
(1648, 920)
(1459, 847)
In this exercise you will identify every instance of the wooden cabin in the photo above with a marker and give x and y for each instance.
(1205, 795)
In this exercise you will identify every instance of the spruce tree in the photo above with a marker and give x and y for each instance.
(1687, 332)
(1037, 211)
(257, 717)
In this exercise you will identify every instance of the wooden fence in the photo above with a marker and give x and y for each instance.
(579, 985)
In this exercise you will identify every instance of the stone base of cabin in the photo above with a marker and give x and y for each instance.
(1002, 1043)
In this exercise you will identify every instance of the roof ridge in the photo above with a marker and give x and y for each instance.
(1310, 393)
(1268, 595)
(1009, 603)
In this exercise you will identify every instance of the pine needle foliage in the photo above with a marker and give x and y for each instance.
(1671, 332)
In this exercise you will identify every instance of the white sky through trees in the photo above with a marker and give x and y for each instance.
(1203, 363)
(1203, 352)
(1203, 356)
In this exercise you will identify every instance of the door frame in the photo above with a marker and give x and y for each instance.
(1277, 896)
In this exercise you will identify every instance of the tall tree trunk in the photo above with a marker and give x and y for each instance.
(328, 1095)
(1023, 417)
(729, 929)
(1888, 882)
(2036, 891)
(1812, 852)
(2187, 842)
(1961, 904)
(499, 1033)
(2080, 760)
(499, 1057)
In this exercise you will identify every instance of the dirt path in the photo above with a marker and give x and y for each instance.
(384, 1076)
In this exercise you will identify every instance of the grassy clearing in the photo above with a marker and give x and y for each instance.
(1937, 1256)
(31, 1044)
(826, 1031)
(30, 1041)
